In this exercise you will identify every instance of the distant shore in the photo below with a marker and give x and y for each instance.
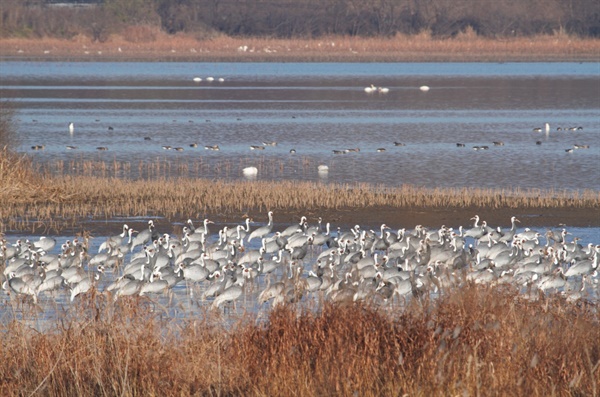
(166, 48)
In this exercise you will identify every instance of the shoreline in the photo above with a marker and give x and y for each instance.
(422, 48)
(470, 58)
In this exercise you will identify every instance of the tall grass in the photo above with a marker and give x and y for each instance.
(472, 341)
(64, 201)
(32, 198)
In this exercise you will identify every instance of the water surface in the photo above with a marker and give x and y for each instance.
(314, 109)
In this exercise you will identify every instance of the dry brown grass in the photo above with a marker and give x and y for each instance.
(33, 199)
(60, 202)
(473, 341)
(17, 179)
(423, 47)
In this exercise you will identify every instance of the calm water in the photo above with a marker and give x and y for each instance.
(315, 109)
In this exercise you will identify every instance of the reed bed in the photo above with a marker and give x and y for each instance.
(76, 198)
(421, 47)
(19, 181)
(178, 167)
(473, 341)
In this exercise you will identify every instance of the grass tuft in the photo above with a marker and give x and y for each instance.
(469, 341)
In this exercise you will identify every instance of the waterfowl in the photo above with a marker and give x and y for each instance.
(263, 230)
(250, 171)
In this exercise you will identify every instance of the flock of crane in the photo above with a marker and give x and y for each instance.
(299, 262)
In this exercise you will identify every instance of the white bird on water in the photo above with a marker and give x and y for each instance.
(250, 172)
(71, 128)
(370, 89)
(424, 88)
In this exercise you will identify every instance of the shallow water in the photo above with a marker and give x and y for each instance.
(185, 301)
(315, 109)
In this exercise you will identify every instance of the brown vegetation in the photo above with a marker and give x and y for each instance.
(423, 47)
(64, 201)
(308, 30)
(301, 18)
(474, 341)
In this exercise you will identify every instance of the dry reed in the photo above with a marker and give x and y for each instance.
(63, 201)
(473, 341)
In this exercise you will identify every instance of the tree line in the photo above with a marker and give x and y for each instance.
(301, 18)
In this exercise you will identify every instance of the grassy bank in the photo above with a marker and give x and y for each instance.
(155, 46)
(474, 341)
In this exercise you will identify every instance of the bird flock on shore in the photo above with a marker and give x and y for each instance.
(300, 262)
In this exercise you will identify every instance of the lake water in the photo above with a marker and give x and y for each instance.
(313, 108)
(316, 108)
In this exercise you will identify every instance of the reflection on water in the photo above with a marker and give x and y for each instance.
(138, 111)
